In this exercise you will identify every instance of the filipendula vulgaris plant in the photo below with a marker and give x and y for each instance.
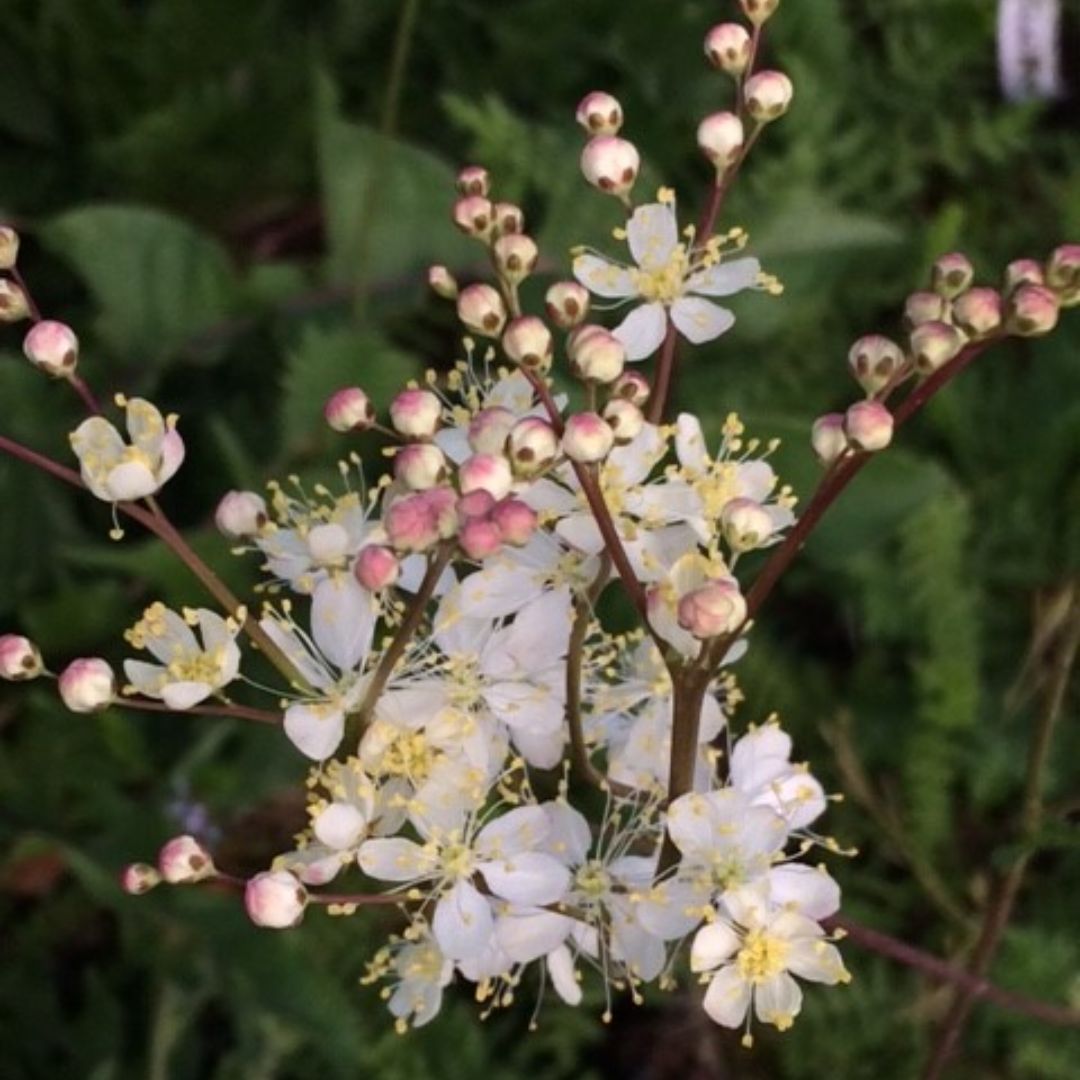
(437, 633)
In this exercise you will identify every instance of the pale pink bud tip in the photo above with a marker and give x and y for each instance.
(489, 429)
(184, 861)
(20, 659)
(516, 521)
(1063, 274)
(567, 304)
(1023, 272)
(828, 438)
(87, 685)
(934, 344)
(978, 312)
(588, 438)
(869, 425)
(599, 114)
(376, 568)
(768, 96)
(275, 900)
(413, 523)
(516, 256)
(759, 11)
(528, 342)
(486, 472)
(714, 609)
(473, 180)
(474, 216)
(442, 282)
(509, 218)
(139, 878)
(420, 466)
(9, 247)
(747, 524)
(477, 504)
(480, 538)
(952, 274)
(14, 306)
(240, 514)
(633, 386)
(728, 47)
(1033, 311)
(625, 418)
(415, 414)
(481, 309)
(52, 347)
(720, 138)
(596, 354)
(874, 360)
(349, 409)
(533, 445)
(922, 307)
(610, 164)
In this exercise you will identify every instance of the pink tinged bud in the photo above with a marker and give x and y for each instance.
(1063, 274)
(978, 312)
(480, 538)
(768, 96)
(412, 523)
(727, 46)
(869, 426)
(516, 521)
(52, 347)
(9, 247)
(376, 568)
(533, 445)
(1032, 311)
(477, 504)
(596, 354)
(934, 344)
(415, 414)
(486, 472)
(747, 524)
(275, 900)
(13, 303)
(240, 514)
(922, 307)
(489, 429)
(610, 164)
(759, 11)
(442, 282)
(588, 438)
(481, 309)
(599, 114)
(828, 438)
(474, 216)
(714, 609)
(349, 409)
(515, 256)
(567, 304)
(138, 878)
(442, 504)
(184, 861)
(874, 360)
(625, 418)
(509, 219)
(528, 342)
(633, 386)
(720, 138)
(87, 685)
(951, 275)
(20, 659)
(420, 466)
(473, 180)
(1023, 272)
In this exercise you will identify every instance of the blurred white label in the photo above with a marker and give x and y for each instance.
(1029, 49)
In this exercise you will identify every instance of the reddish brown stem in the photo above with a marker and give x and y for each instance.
(239, 712)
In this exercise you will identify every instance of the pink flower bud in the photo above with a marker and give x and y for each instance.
(596, 354)
(588, 438)
(138, 878)
(9, 247)
(868, 425)
(473, 180)
(533, 445)
(952, 274)
(240, 514)
(828, 438)
(275, 900)
(874, 360)
(633, 386)
(52, 347)
(442, 282)
(184, 861)
(415, 414)
(349, 409)
(599, 114)
(516, 521)
(727, 46)
(14, 306)
(486, 472)
(1023, 272)
(1032, 311)
(489, 428)
(442, 505)
(610, 164)
(1063, 274)
(625, 418)
(720, 138)
(411, 523)
(515, 256)
(922, 307)
(480, 538)
(714, 609)
(420, 466)
(376, 568)
(87, 685)
(509, 219)
(476, 504)
(759, 11)
(934, 344)
(768, 96)
(481, 309)
(528, 342)
(746, 523)
(474, 216)
(20, 659)
(567, 304)
(978, 312)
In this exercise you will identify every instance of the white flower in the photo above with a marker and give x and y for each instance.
(762, 769)
(421, 971)
(670, 278)
(188, 671)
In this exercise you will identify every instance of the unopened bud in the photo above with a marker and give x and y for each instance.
(1023, 272)
(480, 538)
(517, 521)
(87, 685)
(768, 96)
(952, 274)
(533, 445)
(481, 309)
(442, 282)
(376, 568)
(9, 247)
(515, 256)
(588, 438)
(420, 466)
(874, 360)
(567, 304)
(411, 522)
(633, 386)
(349, 409)
(610, 164)
(596, 354)
(184, 861)
(52, 347)
(415, 414)
(599, 114)
(486, 472)
(1032, 311)
(727, 46)
(474, 216)
(868, 425)
(240, 514)
(138, 878)
(747, 524)
(509, 219)
(716, 608)
(978, 312)
(1063, 274)
(720, 138)
(14, 306)
(934, 344)
(827, 437)
(489, 429)
(476, 504)
(625, 418)
(925, 306)
(528, 342)
(20, 659)
(473, 180)
(275, 900)
(442, 504)
(759, 11)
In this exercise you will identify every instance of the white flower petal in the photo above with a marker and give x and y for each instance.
(778, 1000)
(527, 935)
(183, 695)
(563, 976)
(316, 730)
(462, 923)
(700, 320)
(394, 859)
(642, 331)
(529, 878)
(714, 944)
(604, 278)
(131, 480)
(522, 829)
(690, 446)
(340, 825)
(652, 234)
(725, 278)
(817, 961)
(728, 998)
(342, 621)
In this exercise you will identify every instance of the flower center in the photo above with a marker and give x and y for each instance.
(457, 860)
(593, 880)
(411, 756)
(761, 956)
(664, 283)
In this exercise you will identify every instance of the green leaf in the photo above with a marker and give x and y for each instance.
(811, 224)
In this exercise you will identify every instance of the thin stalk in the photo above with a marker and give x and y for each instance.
(237, 712)
(583, 613)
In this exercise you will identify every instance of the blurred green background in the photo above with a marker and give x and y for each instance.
(234, 205)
